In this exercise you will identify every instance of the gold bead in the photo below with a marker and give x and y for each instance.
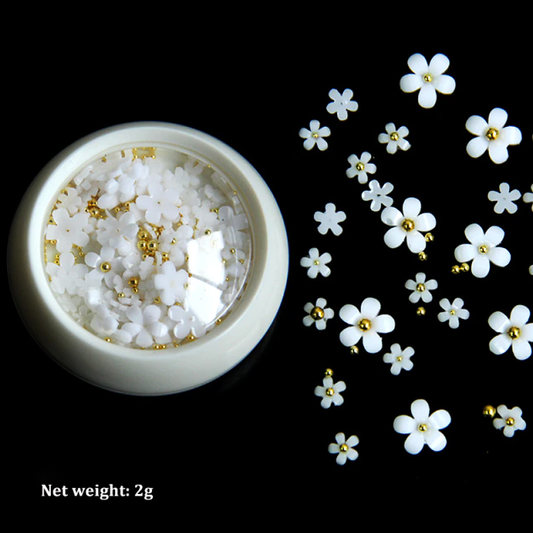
(394, 136)
(420, 287)
(152, 246)
(492, 134)
(428, 77)
(133, 281)
(364, 324)
(514, 332)
(328, 373)
(142, 245)
(456, 269)
(143, 234)
(360, 166)
(489, 411)
(483, 249)
(399, 359)
(422, 427)
(165, 256)
(429, 237)
(121, 295)
(105, 266)
(465, 267)
(510, 421)
(191, 337)
(343, 448)
(317, 313)
(408, 225)
(423, 256)
(354, 350)
(330, 391)
(421, 311)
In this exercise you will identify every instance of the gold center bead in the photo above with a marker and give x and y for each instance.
(317, 313)
(360, 166)
(105, 266)
(394, 136)
(483, 249)
(428, 77)
(492, 134)
(343, 448)
(510, 421)
(420, 287)
(408, 225)
(514, 332)
(399, 359)
(364, 324)
(330, 392)
(315, 135)
(422, 427)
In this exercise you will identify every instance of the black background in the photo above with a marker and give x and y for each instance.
(257, 439)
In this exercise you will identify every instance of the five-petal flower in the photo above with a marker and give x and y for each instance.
(342, 103)
(344, 448)
(329, 220)
(366, 324)
(378, 195)
(315, 135)
(510, 420)
(395, 138)
(453, 312)
(514, 332)
(361, 167)
(399, 359)
(330, 392)
(422, 427)
(421, 288)
(317, 314)
(504, 199)
(316, 263)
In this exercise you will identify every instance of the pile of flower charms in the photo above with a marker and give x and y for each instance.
(145, 253)
(411, 226)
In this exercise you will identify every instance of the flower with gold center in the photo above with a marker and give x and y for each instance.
(344, 448)
(366, 324)
(452, 312)
(315, 136)
(395, 138)
(514, 332)
(317, 314)
(399, 359)
(510, 420)
(360, 167)
(330, 392)
(316, 263)
(421, 288)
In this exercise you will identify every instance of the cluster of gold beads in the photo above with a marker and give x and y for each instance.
(93, 209)
(146, 243)
(458, 269)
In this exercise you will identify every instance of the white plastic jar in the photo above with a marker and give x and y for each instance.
(177, 367)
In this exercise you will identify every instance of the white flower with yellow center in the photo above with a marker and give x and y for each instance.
(317, 314)
(452, 312)
(315, 136)
(361, 167)
(493, 136)
(421, 288)
(366, 324)
(399, 359)
(344, 448)
(514, 332)
(330, 392)
(407, 225)
(483, 249)
(423, 428)
(316, 263)
(395, 138)
(428, 78)
(510, 421)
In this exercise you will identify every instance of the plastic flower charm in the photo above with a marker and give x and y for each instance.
(360, 167)
(329, 220)
(315, 136)
(407, 225)
(317, 314)
(492, 136)
(344, 448)
(452, 312)
(514, 332)
(68, 230)
(365, 324)
(483, 249)
(378, 195)
(510, 421)
(171, 283)
(394, 138)
(505, 199)
(316, 264)
(399, 359)
(428, 79)
(342, 103)
(528, 197)
(330, 392)
(423, 428)
(421, 288)
(159, 203)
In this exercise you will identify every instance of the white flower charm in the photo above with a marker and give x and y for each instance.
(315, 136)
(365, 324)
(342, 103)
(428, 79)
(329, 220)
(483, 249)
(510, 421)
(423, 428)
(68, 230)
(66, 273)
(395, 138)
(317, 314)
(421, 288)
(159, 203)
(378, 195)
(316, 263)
(514, 332)
(407, 225)
(344, 448)
(504, 199)
(361, 167)
(492, 136)
(399, 359)
(171, 283)
(330, 392)
(453, 312)
(528, 197)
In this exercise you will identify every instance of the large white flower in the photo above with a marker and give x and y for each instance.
(395, 138)
(342, 103)
(407, 225)
(117, 232)
(315, 136)
(514, 332)
(344, 448)
(422, 427)
(483, 249)
(330, 392)
(365, 324)
(492, 136)
(360, 167)
(187, 323)
(145, 327)
(510, 421)
(428, 78)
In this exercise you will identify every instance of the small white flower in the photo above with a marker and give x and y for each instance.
(483, 249)
(316, 264)
(117, 232)
(366, 323)
(399, 359)
(344, 448)
(342, 103)
(423, 428)
(394, 138)
(70, 200)
(361, 167)
(315, 135)
(452, 312)
(105, 263)
(145, 327)
(513, 332)
(329, 220)
(66, 274)
(377, 195)
(68, 230)
(421, 288)
(407, 225)
(330, 392)
(159, 203)
(186, 323)
(510, 421)
(317, 314)
(428, 78)
(528, 197)
(505, 199)
(492, 136)
(171, 283)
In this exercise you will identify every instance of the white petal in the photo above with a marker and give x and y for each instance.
(500, 344)
(411, 207)
(349, 314)
(521, 349)
(350, 336)
(511, 135)
(420, 410)
(416, 242)
(477, 125)
(465, 252)
(391, 216)
(499, 322)
(414, 443)
(370, 308)
(440, 419)
(500, 256)
(444, 84)
(498, 118)
(372, 342)
(494, 235)
(426, 222)
(384, 324)
(475, 234)
(394, 237)
(480, 266)
(477, 146)
(353, 441)
(427, 97)
(520, 315)
(436, 441)
(498, 152)
(418, 64)
(411, 82)
(439, 63)
(404, 424)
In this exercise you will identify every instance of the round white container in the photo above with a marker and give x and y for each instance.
(122, 368)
